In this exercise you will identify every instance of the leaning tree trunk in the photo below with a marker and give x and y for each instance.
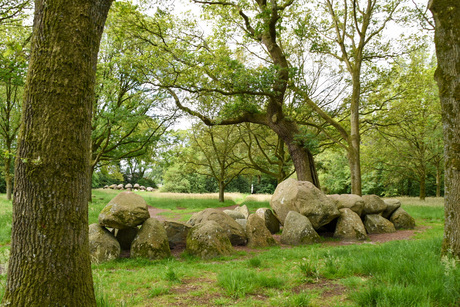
(221, 191)
(49, 263)
(446, 15)
(301, 156)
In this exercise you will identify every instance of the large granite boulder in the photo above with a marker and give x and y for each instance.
(151, 242)
(392, 205)
(350, 201)
(373, 204)
(258, 234)
(298, 230)
(303, 197)
(176, 232)
(402, 220)
(375, 223)
(102, 244)
(234, 214)
(271, 221)
(208, 240)
(234, 231)
(349, 226)
(126, 236)
(242, 222)
(243, 210)
(126, 210)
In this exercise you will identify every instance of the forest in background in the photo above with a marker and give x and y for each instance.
(161, 67)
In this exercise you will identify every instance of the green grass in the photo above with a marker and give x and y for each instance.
(6, 211)
(397, 273)
(237, 283)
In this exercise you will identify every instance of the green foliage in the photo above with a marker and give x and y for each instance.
(177, 179)
(334, 172)
(6, 214)
(403, 154)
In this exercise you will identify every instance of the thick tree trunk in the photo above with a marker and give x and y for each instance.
(446, 15)
(221, 191)
(301, 156)
(90, 188)
(422, 193)
(355, 170)
(354, 156)
(49, 262)
(304, 163)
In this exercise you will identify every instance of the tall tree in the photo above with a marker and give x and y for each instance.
(217, 154)
(446, 15)
(409, 130)
(124, 123)
(13, 64)
(351, 32)
(228, 86)
(49, 262)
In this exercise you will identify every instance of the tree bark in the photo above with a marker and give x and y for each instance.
(355, 170)
(49, 263)
(301, 156)
(446, 15)
(221, 191)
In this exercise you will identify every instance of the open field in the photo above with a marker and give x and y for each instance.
(396, 273)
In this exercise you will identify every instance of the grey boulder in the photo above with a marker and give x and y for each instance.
(232, 229)
(303, 197)
(176, 232)
(350, 201)
(102, 244)
(298, 230)
(392, 205)
(402, 220)
(258, 234)
(373, 204)
(208, 240)
(375, 223)
(271, 221)
(349, 226)
(126, 210)
(151, 242)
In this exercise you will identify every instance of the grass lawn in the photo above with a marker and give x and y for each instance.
(397, 273)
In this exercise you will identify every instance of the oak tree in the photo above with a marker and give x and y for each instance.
(49, 262)
(446, 15)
